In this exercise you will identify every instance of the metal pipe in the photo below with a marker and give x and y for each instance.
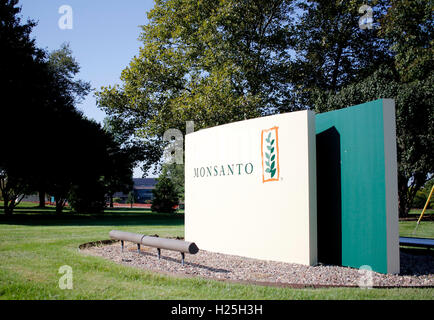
(170, 244)
(126, 236)
(156, 242)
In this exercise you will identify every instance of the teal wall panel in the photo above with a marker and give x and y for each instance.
(360, 138)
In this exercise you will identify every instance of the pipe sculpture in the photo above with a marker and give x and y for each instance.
(160, 243)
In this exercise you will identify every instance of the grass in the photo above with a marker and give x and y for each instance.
(419, 211)
(34, 243)
(410, 229)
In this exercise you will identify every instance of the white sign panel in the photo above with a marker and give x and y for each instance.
(250, 188)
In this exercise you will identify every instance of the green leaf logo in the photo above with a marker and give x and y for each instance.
(271, 164)
(270, 154)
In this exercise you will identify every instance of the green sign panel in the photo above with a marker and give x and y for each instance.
(357, 187)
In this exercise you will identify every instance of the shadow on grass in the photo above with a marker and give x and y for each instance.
(48, 217)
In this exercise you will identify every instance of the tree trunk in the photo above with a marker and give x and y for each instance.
(336, 69)
(11, 206)
(59, 208)
(403, 211)
(8, 211)
(41, 199)
(6, 208)
(111, 201)
(59, 205)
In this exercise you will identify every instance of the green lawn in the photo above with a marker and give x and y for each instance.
(415, 213)
(410, 229)
(34, 243)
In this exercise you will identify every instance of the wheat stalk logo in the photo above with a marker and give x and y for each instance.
(271, 157)
(270, 154)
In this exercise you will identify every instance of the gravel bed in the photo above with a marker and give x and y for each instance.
(416, 269)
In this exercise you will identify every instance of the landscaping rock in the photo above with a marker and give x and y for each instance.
(416, 269)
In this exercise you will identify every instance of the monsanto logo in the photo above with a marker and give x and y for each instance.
(270, 154)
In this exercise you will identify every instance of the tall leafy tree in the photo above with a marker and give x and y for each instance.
(88, 164)
(220, 61)
(134, 149)
(61, 92)
(408, 25)
(408, 78)
(208, 61)
(414, 119)
(13, 187)
(119, 170)
(64, 68)
(332, 48)
(21, 79)
(68, 156)
(39, 96)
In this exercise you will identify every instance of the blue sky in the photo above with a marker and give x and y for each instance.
(103, 38)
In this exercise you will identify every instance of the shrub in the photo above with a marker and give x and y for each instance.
(422, 195)
(131, 198)
(87, 198)
(420, 200)
(165, 195)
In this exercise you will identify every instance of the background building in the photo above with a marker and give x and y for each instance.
(142, 190)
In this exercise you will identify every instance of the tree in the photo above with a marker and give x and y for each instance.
(22, 68)
(131, 198)
(408, 25)
(106, 168)
(165, 194)
(62, 92)
(332, 50)
(414, 119)
(175, 172)
(118, 176)
(13, 188)
(422, 196)
(64, 68)
(139, 150)
(211, 62)
(85, 161)
(88, 197)
(40, 93)
(103, 167)
(408, 78)
(125, 155)
(39, 96)
(215, 62)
